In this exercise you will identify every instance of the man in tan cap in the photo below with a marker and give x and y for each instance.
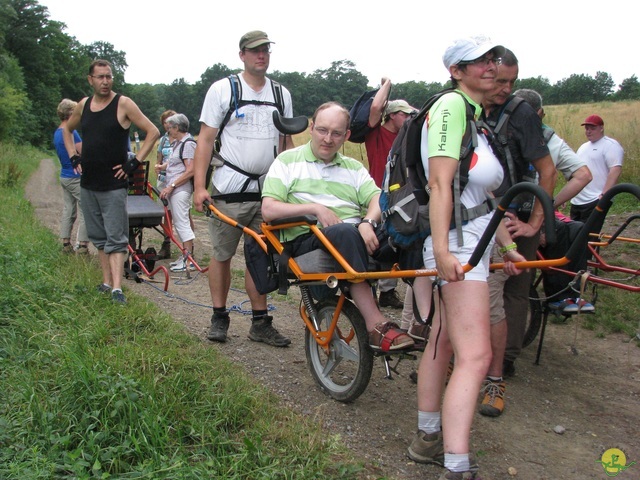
(238, 112)
(385, 120)
(603, 155)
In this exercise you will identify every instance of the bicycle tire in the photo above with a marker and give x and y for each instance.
(534, 317)
(345, 371)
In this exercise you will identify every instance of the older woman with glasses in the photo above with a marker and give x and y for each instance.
(461, 321)
(179, 189)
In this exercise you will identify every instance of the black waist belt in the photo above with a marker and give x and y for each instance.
(238, 197)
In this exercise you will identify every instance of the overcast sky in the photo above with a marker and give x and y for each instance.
(164, 41)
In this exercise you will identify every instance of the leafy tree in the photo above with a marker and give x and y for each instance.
(575, 89)
(15, 118)
(298, 86)
(629, 89)
(416, 93)
(47, 57)
(603, 86)
(341, 82)
(146, 97)
(179, 97)
(539, 84)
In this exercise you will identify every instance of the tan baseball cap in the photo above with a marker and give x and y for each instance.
(399, 106)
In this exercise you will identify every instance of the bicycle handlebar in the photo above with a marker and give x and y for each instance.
(547, 208)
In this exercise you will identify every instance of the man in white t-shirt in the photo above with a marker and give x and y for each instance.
(603, 155)
(250, 142)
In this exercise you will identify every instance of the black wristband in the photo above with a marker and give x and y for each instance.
(76, 160)
(131, 165)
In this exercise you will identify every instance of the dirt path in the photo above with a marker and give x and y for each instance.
(594, 395)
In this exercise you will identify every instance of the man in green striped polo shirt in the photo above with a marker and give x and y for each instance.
(316, 179)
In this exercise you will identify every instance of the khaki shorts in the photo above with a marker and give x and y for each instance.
(224, 237)
(496, 281)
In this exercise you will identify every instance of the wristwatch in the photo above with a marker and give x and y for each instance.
(173, 185)
(371, 222)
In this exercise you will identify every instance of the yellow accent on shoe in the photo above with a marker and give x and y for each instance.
(493, 401)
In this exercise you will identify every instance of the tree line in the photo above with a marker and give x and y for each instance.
(40, 65)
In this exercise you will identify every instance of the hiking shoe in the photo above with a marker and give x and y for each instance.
(67, 248)
(262, 330)
(427, 448)
(181, 266)
(508, 369)
(387, 336)
(177, 261)
(419, 332)
(103, 288)
(390, 299)
(493, 401)
(165, 250)
(561, 305)
(82, 250)
(118, 297)
(219, 327)
(578, 305)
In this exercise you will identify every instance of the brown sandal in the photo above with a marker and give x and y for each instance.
(387, 336)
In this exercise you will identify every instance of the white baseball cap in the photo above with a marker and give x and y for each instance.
(470, 48)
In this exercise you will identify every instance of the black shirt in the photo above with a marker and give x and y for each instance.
(104, 145)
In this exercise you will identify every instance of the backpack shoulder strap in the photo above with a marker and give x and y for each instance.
(181, 151)
(234, 99)
(505, 114)
(547, 133)
(500, 134)
(278, 98)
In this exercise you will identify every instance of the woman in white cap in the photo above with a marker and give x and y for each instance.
(461, 321)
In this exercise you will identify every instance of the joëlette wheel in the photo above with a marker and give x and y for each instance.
(343, 372)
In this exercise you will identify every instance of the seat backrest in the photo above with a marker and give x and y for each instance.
(138, 179)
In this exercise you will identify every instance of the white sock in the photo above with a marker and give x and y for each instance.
(457, 462)
(494, 379)
(116, 290)
(429, 422)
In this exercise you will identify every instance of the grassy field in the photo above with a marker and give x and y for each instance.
(94, 390)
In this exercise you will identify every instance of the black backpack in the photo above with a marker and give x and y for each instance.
(235, 103)
(359, 113)
(404, 200)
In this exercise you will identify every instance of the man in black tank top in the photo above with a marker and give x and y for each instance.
(105, 119)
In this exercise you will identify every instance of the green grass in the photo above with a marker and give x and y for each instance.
(91, 389)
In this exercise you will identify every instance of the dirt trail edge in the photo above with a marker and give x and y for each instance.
(560, 417)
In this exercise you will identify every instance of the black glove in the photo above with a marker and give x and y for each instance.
(76, 160)
(131, 165)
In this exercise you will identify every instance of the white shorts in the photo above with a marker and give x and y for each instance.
(471, 234)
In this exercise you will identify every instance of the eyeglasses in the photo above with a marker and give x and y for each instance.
(102, 77)
(259, 50)
(323, 132)
(482, 61)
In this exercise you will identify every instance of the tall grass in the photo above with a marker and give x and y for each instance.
(91, 389)
(621, 121)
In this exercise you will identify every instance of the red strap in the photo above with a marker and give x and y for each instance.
(388, 338)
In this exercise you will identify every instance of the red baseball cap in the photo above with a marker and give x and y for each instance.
(593, 120)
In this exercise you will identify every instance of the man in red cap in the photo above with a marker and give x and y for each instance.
(603, 155)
